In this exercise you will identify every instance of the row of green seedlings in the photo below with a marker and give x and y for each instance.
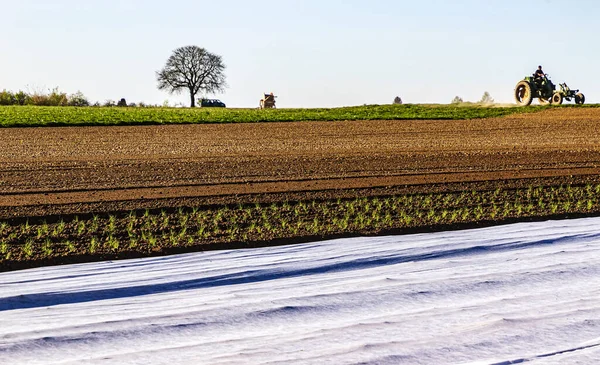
(150, 231)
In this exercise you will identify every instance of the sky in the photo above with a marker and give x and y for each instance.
(310, 53)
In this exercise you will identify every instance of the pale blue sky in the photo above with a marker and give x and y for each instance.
(311, 53)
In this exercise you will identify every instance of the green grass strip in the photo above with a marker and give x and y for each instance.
(38, 116)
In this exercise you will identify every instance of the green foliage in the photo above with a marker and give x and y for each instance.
(7, 98)
(112, 243)
(94, 245)
(47, 249)
(22, 98)
(4, 249)
(60, 227)
(78, 99)
(53, 98)
(69, 246)
(29, 116)
(28, 248)
(18, 98)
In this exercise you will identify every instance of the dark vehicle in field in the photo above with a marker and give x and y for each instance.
(545, 91)
(211, 103)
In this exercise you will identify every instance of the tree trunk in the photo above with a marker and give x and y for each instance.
(193, 102)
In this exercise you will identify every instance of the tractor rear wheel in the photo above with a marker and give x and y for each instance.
(523, 95)
(557, 99)
(579, 99)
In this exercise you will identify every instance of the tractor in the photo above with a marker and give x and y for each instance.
(545, 91)
(268, 102)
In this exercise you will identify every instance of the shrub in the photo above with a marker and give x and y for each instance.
(78, 99)
(22, 98)
(54, 98)
(122, 103)
(39, 99)
(7, 98)
(57, 98)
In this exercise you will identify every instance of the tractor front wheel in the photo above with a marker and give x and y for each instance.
(523, 95)
(579, 99)
(557, 99)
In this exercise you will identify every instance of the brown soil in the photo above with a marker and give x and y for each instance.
(72, 170)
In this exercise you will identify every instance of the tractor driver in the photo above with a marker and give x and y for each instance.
(539, 73)
(539, 76)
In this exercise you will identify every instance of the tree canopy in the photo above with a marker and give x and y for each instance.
(193, 69)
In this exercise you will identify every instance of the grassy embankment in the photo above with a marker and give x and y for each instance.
(37, 116)
(26, 243)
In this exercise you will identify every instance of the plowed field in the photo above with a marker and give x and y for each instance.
(63, 170)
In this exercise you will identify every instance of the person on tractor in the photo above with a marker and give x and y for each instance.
(538, 76)
(539, 73)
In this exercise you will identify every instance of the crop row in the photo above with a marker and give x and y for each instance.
(23, 116)
(147, 232)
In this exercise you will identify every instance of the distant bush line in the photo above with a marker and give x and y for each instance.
(55, 97)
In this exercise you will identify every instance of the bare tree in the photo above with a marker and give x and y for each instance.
(194, 69)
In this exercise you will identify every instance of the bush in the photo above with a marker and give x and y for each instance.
(22, 98)
(39, 100)
(7, 98)
(122, 103)
(54, 98)
(19, 98)
(78, 99)
(57, 98)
